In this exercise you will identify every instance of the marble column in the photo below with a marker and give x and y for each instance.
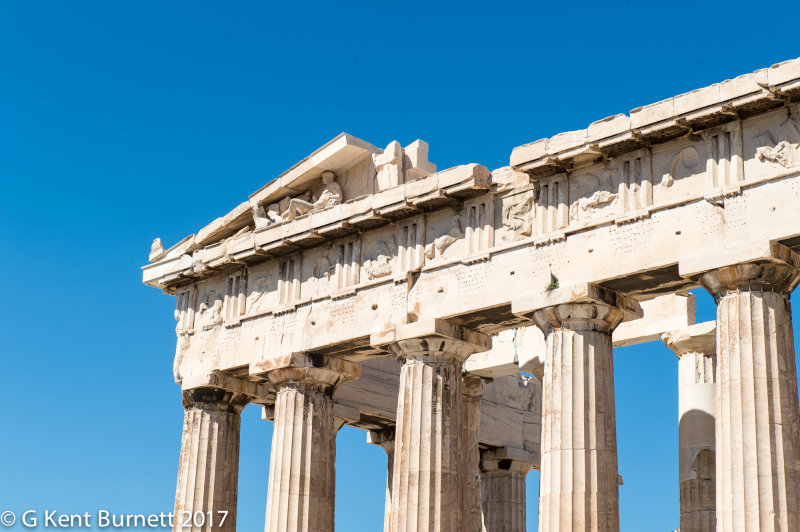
(428, 463)
(696, 348)
(758, 424)
(472, 387)
(579, 483)
(503, 491)
(385, 438)
(209, 464)
(302, 473)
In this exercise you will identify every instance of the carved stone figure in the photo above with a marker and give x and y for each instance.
(256, 298)
(325, 266)
(381, 265)
(517, 218)
(583, 209)
(786, 152)
(332, 195)
(260, 218)
(683, 164)
(443, 242)
(210, 311)
(389, 166)
(183, 345)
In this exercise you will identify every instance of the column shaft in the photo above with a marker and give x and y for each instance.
(758, 429)
(209, 464)
(503, 493)
(385, 438)
(697, 450)
(425, 493)
(696, 347)
(471, 513)
(302, 470)
(302, 474)
(503, 501)
(579, 480)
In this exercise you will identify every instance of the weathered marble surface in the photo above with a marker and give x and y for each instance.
(354, 246)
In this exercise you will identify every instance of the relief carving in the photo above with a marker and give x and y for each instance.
(588, 208)
(256, 299)
(332, 195)
(180, 351)
(440, 244)
(381, 265)
(683, 164)
(786, 152)
(585, 208)
(517, 218)
(210, 311)
(260, 218)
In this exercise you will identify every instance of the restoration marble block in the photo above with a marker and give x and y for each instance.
(696, 349)
(208, 476)
(758, 421)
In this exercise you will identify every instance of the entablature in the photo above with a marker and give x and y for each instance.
(679, 116)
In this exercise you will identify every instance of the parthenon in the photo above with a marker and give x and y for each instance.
(466, 320)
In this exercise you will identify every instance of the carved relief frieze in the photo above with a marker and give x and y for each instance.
(684, 163)
(210, 310)
(516, 216)
(441, 243)
(379, 263)
(780, 145)
(263, 287)
(592, 197)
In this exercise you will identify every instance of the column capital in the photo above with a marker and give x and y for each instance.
(772, 267)
(384, 438)
(319, 371)
(215, 399)
(579, 306)
(507, 459)
(431, 338)
(698, 338)
(472, 385)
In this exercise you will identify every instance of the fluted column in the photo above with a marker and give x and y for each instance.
(503, 491)
(696, 347)
(209, 464)
(385, 438)
(302, 475)
(428, 464)
(471, 400)
(758, 424)
(579, 480)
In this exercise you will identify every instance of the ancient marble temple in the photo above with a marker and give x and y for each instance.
(466, 319)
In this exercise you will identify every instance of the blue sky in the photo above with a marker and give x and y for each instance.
(123, 121)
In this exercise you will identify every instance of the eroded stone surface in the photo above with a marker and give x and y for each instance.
(356, 253)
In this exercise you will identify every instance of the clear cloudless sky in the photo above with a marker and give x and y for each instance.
(123, 121)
